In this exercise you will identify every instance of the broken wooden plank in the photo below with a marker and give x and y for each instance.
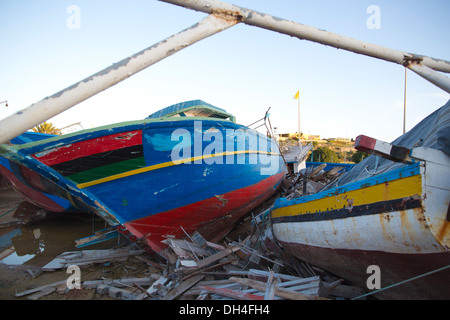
(311, 284)
(34, 274)
(27, 292)
(189, 246)
(123, 294)
(188, 263)
(44, 292)
(182, 287)
(215, 246)
(198, 239)
(86, 257)
(92, 284)
(280, 292)
(149, 262)
(328, 287)
(254, 252)
(157, 285)
(207, 261)
(141, 289)
(263, 275)
(270, 287)
(239, 295)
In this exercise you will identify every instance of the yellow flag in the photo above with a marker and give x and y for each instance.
(297, 95)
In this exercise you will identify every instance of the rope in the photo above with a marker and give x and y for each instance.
(402, 282)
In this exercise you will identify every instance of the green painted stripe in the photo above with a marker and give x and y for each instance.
(107, 170)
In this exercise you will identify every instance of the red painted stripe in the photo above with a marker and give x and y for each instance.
(365, 143)
(212, 217)
(33, 196)
(89, 147)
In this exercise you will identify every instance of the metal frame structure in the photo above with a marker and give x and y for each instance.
(221, 16)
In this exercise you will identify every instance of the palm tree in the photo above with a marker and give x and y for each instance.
(46, 127)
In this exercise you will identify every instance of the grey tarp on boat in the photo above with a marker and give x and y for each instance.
(432, 132)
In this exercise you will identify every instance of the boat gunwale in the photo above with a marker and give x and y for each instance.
(399, 173)
(59, 141)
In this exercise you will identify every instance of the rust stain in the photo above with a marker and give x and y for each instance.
(412, 59)
(444, 234)
(406, 225)
(228, 15)
(386, 193)
(386, 229)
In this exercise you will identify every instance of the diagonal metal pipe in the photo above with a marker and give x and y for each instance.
(305, 32)
(39, 112)
(436, 78)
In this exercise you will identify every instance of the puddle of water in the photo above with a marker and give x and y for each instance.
(39, 244)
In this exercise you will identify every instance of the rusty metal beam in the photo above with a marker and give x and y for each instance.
(305, 32)
(436, 78)
(43, 110)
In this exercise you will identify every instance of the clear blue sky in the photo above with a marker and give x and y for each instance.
(244, 70)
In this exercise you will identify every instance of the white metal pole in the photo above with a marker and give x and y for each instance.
(305, 32)
(404, 105)
(43, 110)
(431, 75)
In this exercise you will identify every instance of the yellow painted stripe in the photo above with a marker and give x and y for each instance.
(69, 197)
(166, 164)
(396, 189)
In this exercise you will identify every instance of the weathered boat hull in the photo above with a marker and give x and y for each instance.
(21, 180)
(397, 221)
(353, 265)
(156, 177)
(222, 212)
(27, 183)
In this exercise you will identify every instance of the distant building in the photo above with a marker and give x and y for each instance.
(287, 136)
(308, 137)
(340, 139)
(311, 137)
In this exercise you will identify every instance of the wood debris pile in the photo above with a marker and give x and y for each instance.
(246, 265)
(310, 180)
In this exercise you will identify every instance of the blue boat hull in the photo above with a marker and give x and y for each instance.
(129, 172)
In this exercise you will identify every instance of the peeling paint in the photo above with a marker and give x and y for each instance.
(222, 199)
(49, 151)
(162, 190)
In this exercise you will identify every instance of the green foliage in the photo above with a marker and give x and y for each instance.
(324, 154)
(358, 156)
(46, 127)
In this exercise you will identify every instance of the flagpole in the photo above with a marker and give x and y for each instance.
(297, 97)
(299, 141)
(404, 106)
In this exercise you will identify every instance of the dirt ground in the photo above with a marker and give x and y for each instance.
(19, 278)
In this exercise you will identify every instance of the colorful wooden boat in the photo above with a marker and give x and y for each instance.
(18, 178)
(397, 220)
(186, 168)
